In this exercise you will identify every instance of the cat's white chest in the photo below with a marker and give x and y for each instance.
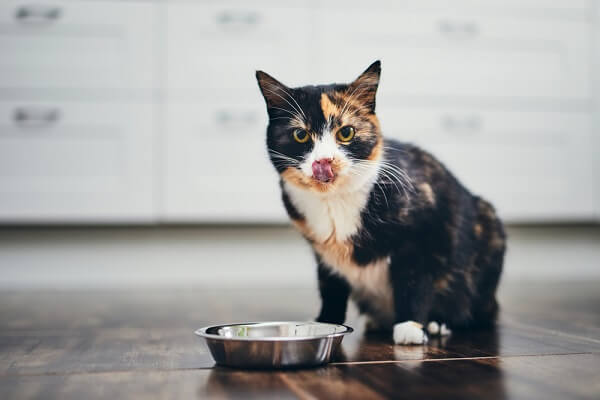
(337, 216)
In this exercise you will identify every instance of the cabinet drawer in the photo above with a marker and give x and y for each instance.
(448, 54)
(69, 44)
(76, 162)
(532, 165)
(221, 45)
(561, 9)
(217, 168)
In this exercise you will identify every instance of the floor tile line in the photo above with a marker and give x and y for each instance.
(534, 328)
(459, 358)
(341, 363)
(116, 371)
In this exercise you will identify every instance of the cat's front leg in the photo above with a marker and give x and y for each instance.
(334, 292)
(413, 295)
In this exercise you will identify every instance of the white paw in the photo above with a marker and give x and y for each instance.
(409, 332)
(435, 328)
(444, 330)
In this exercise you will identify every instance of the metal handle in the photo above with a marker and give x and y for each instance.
(469, 124)
(230, 118)
(37, 116)
(230, 18)
(453, 29)
(37, 13)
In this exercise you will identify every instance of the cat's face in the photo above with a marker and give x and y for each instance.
(324, 139)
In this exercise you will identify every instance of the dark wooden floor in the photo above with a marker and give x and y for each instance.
(86, 345)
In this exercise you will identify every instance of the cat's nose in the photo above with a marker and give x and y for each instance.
(322, 170)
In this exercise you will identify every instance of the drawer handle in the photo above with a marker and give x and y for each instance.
(37, 13)
(230, 18)
(471, 124)
(228, 118)
(36, 116)
(458, 29)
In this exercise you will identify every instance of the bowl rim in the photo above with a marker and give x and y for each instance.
(202, 332)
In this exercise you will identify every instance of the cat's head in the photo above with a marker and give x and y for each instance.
(324, 138)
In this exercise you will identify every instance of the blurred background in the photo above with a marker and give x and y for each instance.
(132, 132)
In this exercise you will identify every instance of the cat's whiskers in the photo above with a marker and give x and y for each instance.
(295, 102)
(360, 174)
(362, 89)
(296, 108)
(288, 118)
(395, 149)
(283, 159)
(391, 172)
(347, 104)
(295, 115)
(401, 176)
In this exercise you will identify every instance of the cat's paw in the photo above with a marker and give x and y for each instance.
(435, 329)
(409, 332)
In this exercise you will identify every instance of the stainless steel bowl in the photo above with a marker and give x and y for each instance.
(273, 344)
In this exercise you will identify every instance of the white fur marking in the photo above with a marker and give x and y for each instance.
(444, 330)
(339, 210)
(409, 332)
(325, 147)
(435, 329)
(371, 283)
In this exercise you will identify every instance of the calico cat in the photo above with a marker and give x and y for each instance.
(390, 226)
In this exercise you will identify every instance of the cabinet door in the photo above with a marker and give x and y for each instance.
(217, 168)
(84, 44)
(220, 45)
(76, 162)
(533, 166)
(465, 52)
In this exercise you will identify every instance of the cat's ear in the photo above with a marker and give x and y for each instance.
(273, 91)
(364, 88)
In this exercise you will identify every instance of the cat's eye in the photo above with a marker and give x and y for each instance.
(346, 133)
(301, 136)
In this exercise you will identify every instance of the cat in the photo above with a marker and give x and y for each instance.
(391, 228)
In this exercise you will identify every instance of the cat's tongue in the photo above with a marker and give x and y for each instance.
(322, 170)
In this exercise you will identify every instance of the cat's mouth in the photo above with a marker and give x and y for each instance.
(323, 171)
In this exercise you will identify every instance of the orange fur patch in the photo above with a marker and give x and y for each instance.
(374, 120)
(335, 253)
(443, 283)
(427, 193)
(478, 230)
(330, 110)
(377, 150)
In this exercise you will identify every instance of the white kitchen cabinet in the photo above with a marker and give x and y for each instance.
(76, 162)
(533, 166)
(77, 45)
(441, 54)
(148, 110)
(216, 166)
(219, 46)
